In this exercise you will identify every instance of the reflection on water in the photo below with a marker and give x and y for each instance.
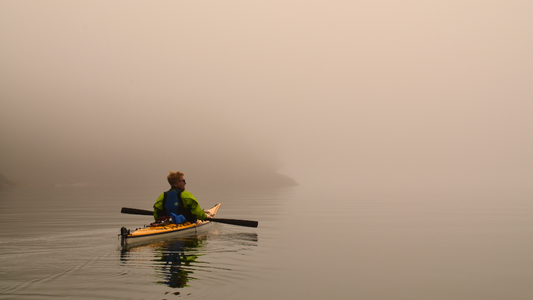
(176, 261)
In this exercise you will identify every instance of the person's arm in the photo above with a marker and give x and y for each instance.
(191, 204)
(158, 207)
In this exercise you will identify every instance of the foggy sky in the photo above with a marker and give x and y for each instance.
(329, 92)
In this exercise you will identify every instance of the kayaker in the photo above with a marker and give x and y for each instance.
(178, 202)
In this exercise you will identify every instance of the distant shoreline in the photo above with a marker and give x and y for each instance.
(6, 183)
(269, 180)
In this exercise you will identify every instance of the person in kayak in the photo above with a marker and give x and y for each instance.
(177, 202)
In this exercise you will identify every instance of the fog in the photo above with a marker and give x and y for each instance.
(364, 93)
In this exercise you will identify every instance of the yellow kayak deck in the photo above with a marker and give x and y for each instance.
(168, 230)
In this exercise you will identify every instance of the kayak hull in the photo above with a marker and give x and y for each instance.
(167, 231)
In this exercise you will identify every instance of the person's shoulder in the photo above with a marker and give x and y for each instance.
(187, 194)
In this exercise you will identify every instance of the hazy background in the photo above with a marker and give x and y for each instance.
(367, 93)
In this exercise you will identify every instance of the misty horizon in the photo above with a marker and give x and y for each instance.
(356, 93)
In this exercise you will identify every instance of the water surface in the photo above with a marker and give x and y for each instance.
(311, 243)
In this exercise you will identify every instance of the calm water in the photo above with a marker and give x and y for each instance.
(311, 244)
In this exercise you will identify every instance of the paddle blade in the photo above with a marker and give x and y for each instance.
(135, 211)
(246, 223)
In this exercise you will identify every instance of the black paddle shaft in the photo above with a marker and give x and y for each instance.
(247, 223)
(135, 211)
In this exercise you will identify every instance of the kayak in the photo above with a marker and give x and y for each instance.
(160, 231)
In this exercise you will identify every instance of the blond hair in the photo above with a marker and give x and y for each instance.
(174, 177)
